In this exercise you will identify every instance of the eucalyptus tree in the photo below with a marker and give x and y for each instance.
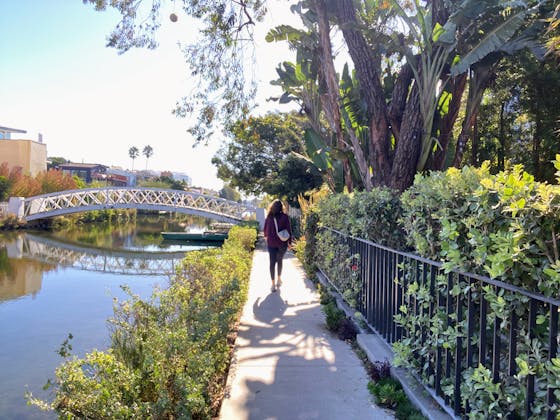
(133, 153)
(148, 151)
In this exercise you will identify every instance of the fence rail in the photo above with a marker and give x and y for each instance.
(407, 298)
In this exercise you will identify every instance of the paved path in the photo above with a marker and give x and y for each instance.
(286, 365)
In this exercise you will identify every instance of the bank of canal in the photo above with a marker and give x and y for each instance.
(52, 285)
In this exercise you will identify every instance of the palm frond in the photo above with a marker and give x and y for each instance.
(491, 42)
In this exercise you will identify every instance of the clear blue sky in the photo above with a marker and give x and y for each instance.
(91, 104)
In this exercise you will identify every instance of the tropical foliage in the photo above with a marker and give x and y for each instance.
(397, 112)
(147, 151)
(133, 153)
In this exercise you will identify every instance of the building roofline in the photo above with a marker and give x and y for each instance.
(12, 130)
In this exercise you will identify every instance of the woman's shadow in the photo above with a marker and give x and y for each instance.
(270, 309)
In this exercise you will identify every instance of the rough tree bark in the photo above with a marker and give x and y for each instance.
(398, 100)
(409, 146)
(331, 98)
(370, 83)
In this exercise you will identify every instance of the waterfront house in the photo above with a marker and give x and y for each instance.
(29, 155)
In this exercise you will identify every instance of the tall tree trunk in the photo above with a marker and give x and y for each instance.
(410, 144)
(368, 74)
(331, 98)
(398, 99)
(457, 85)
(479, 81)
(474, 157)
(502, 139)
(537, 137)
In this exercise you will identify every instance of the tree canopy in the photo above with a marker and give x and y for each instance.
(414, 66)
(407, 100)
(263, 155)
(216, 58)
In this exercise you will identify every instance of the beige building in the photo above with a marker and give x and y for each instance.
(29, 155)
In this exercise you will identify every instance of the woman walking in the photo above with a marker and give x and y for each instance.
(276, 221)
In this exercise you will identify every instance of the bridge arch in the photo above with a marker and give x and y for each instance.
(140, 198)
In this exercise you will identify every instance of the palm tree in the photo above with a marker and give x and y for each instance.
(133, 154)
(147, 151)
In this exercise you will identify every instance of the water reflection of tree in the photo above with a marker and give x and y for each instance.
(5, 266)
(145, 229)
(102, 235)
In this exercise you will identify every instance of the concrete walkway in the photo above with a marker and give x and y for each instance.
(286, 364)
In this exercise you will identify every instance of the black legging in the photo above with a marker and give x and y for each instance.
(276, 255)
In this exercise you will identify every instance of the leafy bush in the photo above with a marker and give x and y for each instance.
(333, 316)
(505, 226)
(308, 256)
(378, 370)
(347, 330)
(388, 392)
(295, 223)
(250, 223)
(436, 198)
(4, 188)
(169, 354)
(375, 216)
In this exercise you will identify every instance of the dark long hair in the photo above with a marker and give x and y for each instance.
(276, 207)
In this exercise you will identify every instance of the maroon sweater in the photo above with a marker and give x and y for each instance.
(272, 239)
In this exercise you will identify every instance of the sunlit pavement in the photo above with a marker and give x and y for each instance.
(286, 364)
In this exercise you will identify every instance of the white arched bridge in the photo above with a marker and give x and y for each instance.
(88, 199)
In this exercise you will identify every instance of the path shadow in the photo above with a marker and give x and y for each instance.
(295, 369)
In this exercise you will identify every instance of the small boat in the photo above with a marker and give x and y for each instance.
(207, 236)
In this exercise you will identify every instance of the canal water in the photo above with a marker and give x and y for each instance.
(61, 283)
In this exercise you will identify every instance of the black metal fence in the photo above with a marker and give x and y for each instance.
(454, 322)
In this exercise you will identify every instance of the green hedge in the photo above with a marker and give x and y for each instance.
(169, 354)
(503, 225)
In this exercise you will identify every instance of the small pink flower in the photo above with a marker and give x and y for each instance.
(354, 267)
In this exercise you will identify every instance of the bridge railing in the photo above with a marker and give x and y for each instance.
(405, 297)
(53, 204)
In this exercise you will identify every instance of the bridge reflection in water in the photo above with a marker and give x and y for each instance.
(50, 251)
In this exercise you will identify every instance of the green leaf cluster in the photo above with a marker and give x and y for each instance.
(168, 354)
(264, 155)
(370, 215)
